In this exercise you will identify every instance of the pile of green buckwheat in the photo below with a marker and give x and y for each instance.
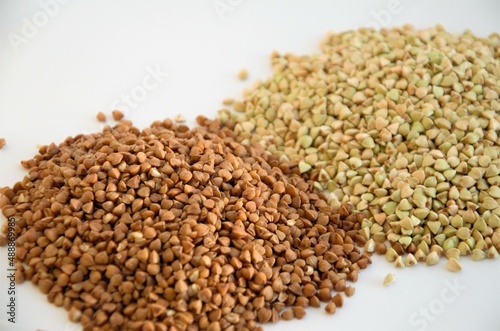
(402, 124)
(226, 226)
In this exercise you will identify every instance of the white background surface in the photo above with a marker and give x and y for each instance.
(85, 55)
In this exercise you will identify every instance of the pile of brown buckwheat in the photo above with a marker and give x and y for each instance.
(178, 229)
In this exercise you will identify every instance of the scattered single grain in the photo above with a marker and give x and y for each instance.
(389, 279)
(117, 115)
(228, 101)
(101, 117)
(243, 74)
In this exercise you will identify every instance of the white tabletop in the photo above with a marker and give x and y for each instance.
(63, 61)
